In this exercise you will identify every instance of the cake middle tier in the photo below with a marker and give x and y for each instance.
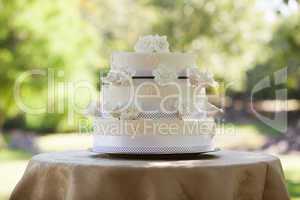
(149, 97)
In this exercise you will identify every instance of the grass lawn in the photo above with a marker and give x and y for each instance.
(10, 172)
(291, 166)
(13, 163)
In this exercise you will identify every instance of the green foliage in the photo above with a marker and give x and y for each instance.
(294, 189)
(40, 35)
(119, 23)
(282, 51)
(224, 34)
(8, 155)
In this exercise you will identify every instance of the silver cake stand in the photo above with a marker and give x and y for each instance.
(153, 153)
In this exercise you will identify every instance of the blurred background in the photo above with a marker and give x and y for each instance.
(47, 48)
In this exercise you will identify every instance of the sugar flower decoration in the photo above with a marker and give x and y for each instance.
(151, 44)
(120, 76)
(201, 78)
(182, 109)
(163, 75)
(93, 109)
(208, 108)
(130, 113)
(122, 111)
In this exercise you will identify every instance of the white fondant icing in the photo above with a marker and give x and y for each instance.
(148, 96)
(159, 127)
(144, 63)
(152, 136)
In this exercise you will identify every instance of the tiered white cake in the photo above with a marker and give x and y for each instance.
(154, 102)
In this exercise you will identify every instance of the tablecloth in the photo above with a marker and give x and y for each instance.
(83, 175)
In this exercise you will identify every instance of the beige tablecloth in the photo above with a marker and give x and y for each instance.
(82, 175)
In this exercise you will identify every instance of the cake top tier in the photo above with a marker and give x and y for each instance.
(152, 52)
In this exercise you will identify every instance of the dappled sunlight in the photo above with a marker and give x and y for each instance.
(244, 137)
(10, 173)
(184, 163)
(63, 142)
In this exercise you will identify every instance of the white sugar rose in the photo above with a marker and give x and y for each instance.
(183, 110)
(163, 75)
(122, 111)
(119, 77)
(129, 113)
(151, 44)
(201, 78)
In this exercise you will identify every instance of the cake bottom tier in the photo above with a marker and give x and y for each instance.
(152, 144)
(153, 136)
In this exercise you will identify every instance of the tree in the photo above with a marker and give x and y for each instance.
(40, 35)
(283, 51)
(226, 35)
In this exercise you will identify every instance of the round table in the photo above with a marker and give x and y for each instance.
(83, 175)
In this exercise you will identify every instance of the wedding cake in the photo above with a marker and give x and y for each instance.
(154, 102)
